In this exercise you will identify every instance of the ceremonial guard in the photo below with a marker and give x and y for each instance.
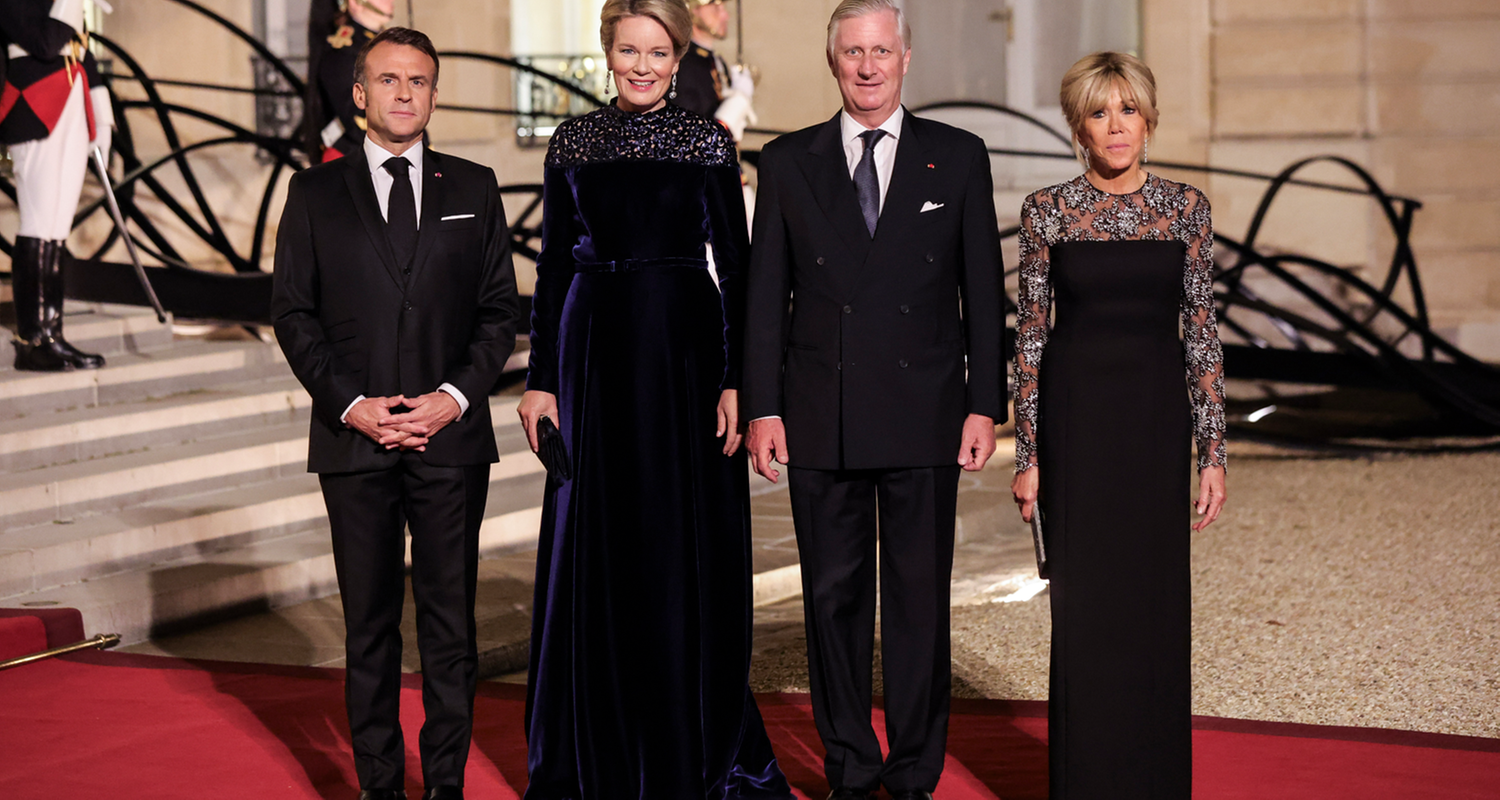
(54, 109)
(706, 84)
(335, 125)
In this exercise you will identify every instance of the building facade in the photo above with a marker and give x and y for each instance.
(1410, 89)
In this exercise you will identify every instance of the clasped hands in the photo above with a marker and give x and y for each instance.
(412, 430)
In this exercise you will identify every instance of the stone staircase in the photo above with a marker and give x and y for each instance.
(169, 489)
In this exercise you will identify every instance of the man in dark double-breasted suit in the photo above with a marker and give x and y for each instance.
(395, 303)
(874, 369)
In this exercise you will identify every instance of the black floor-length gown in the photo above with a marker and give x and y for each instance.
(1102, 409)
(640, 649)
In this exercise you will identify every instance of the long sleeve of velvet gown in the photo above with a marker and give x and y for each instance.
(554, 274)
(729, 234)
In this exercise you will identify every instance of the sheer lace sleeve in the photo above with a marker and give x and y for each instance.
(1200, 331)
(1033, 311)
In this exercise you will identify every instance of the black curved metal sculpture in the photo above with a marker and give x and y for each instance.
(1376, 342)
(1357, 347)
(242, 295)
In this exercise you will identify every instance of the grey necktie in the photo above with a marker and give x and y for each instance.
(866, 182)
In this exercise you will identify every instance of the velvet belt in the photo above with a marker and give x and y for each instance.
(642, 264)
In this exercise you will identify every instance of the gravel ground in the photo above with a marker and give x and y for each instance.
(1336, 590)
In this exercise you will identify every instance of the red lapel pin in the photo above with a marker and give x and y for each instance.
(437, 174)
(932, 166)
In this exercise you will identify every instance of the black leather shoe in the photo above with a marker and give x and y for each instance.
(849, 793)
(444, 793)
(382, 794)
(914, 794)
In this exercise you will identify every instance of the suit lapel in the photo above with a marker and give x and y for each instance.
(903, 195)
(827, 172)
(432, 205)
(357, 175)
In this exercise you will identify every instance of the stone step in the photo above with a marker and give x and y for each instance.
(191, 591)
(80, 434)
(68, 491)
(183, 367)
(44, 555)
(48, 555)
(101, 328)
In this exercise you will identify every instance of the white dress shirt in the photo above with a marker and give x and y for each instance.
(854, 152)
(377, 156)
(885, 149)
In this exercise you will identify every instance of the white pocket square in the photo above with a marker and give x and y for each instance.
(931, 206)
(456, 216)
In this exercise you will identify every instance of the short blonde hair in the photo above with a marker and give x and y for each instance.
(849, 9)
(673, 15)
(1087, 84)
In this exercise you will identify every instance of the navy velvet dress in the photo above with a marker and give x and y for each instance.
(640, 649)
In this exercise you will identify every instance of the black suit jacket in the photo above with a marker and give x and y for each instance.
(354, 322)
(859, 345)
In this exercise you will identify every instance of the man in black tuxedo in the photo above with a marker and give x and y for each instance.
(874, 369)
(395, 303)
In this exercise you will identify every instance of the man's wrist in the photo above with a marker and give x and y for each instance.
(458, 397)
(344, 418)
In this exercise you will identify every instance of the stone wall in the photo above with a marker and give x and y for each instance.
(1408, 88)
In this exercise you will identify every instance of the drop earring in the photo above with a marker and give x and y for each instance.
(1146, 151)
(609, 82)
(672, 95)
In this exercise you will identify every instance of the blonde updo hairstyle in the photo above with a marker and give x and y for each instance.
(1086, 88)
(673, 15)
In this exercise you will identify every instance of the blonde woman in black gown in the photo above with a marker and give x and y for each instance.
(1104, 437)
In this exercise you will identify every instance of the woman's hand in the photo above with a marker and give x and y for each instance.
(1025, 487)
(729, 421)
(1210, 496)
(535, 405)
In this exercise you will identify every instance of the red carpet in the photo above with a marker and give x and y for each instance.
(116, 725)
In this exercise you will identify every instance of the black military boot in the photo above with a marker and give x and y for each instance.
(54, 256)
(37, 284)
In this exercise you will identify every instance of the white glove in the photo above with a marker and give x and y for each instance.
(69, 12)
(104, 119)
(741, 82)
(736, 113)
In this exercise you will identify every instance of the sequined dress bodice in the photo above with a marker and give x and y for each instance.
(1063, 219)
(639, 182)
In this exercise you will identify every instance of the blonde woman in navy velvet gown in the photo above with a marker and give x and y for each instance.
(641, 627)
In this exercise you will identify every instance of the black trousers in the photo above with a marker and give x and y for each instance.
(369, 513)
(838, 516)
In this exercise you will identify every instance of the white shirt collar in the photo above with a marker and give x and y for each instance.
(852, 128)
(377, 155)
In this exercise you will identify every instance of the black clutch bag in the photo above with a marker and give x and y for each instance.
(552, 452)
(1037, 541)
